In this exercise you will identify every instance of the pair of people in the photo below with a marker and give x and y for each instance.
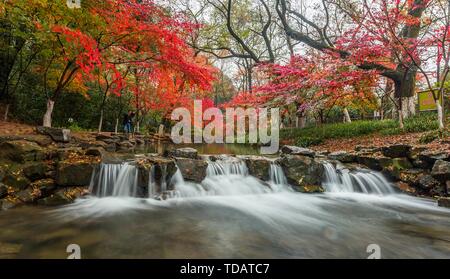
(128, 122)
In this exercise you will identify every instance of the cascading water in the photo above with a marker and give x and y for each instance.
(116, 180)
(230, 176)
(276, 175)
(341, 179)
(152, 183)
(227, 166)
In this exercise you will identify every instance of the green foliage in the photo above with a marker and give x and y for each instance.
(316, 135)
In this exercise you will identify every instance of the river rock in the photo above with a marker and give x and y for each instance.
(397, 151)
(295, 150)
(401, 163)
(3, 190)
(21, 151)
(95, 151)
(258, 166)
(35, 170)
(405, 187)
(411, 176)
(69, 152)
(16, 180)
(441, 170)
(427, 182)
(192, 169)
(74, 173)
(430, 157)
(301, 170)
(375, 162)
(27, 195)
(187, 152)
(63, 197)
(107, 138)
(45, 186)
(125, 146)
(342, 156)
(444, 202)
(57, 134)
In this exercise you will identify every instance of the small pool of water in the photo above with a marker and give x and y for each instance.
(278, 225)
(209, 149)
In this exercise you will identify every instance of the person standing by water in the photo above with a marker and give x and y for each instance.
(128, 122)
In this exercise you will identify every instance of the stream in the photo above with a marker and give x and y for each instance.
(233, 215)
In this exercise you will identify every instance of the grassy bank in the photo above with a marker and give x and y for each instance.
(317, 135)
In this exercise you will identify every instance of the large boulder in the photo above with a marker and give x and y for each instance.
(258, 167)
(372, 161)
(441, 170)
(95, 151)
(187, 152)
(35, 170)
(295, 150)
(302, 170)
(16, 180)
(57, 134)
(342, 156)
(160, 168)
(21, 151)
(430, 157)
(76, 173)
(192, 169)
(397, 151)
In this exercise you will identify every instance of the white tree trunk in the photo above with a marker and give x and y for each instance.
(347, 118)
(440, 115)
(6, 112)
(161, 130)
(138, 127)
(400, 119)
(100, 124)
(408, 107)
(48, 114)
(116, 129)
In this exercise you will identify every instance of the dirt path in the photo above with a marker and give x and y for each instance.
(15, 129)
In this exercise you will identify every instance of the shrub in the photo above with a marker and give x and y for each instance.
(317, 135)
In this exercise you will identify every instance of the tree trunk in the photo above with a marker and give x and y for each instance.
(100, 124)
(440, 115)
(302, 122)
(347, 118)
(408, 107)
(116, 128)
(6, 112)
(137, 128)
(48, 114)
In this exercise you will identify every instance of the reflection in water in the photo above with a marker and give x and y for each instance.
(210, 149)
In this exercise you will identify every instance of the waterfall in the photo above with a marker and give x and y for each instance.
(117, 180)
(341, 179)
(276, 175)
(152, 182)
(227, 166)
(163, 178)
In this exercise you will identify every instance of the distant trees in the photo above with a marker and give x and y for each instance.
(110, 45)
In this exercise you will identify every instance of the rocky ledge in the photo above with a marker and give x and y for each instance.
(54, 168)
